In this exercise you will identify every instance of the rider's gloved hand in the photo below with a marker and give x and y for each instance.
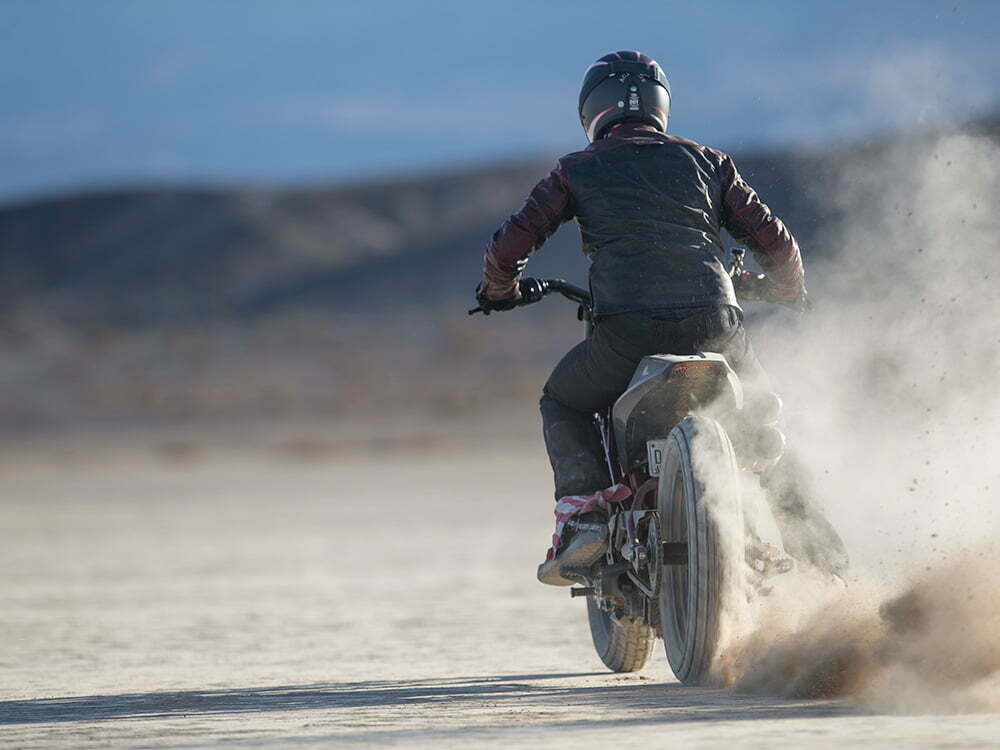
(797, 299)
(803, 303)
(784, 294)
(493, 300)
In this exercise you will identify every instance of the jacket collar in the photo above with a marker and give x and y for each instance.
(631, 129)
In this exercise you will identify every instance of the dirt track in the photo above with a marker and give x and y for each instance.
(265, 602)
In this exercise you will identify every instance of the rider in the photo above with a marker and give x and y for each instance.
(650, 207)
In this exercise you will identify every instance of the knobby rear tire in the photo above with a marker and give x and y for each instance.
(699, 503)
(624, 644)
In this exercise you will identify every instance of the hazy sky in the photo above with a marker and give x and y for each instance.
(94, 92)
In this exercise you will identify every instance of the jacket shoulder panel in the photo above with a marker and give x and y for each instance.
(713, 155)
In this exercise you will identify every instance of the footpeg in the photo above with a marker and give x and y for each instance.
(582, 591)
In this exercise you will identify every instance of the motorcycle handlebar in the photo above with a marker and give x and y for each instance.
(534, 290)
(750, 287)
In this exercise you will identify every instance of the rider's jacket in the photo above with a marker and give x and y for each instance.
(650, 209)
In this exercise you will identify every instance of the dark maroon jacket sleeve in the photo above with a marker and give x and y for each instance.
(547, 207)
(751, 222)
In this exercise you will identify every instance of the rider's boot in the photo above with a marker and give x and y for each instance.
(805, 532)
(579, 467)
(584, 541)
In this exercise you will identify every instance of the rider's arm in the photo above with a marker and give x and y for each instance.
(751, 222)
(547, 207)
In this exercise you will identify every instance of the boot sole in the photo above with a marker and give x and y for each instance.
(582, 552)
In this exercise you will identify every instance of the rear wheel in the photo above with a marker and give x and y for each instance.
(623, 643)
(699, 505)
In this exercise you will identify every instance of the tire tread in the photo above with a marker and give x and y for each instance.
(629, 640)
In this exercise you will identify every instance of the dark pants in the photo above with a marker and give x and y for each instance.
(595, 372)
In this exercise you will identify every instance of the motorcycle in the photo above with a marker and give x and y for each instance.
(680, 555)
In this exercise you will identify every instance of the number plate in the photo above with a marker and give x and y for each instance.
(655, 450)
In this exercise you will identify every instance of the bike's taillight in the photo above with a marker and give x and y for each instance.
(692, 368)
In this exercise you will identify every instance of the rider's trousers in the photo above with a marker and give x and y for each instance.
(595, 372)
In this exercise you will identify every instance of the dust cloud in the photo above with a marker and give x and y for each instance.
(892, 404)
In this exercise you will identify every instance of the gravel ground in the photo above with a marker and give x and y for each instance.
(265, 601)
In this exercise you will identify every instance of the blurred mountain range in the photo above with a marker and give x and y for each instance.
(212, 303)
(169, 255)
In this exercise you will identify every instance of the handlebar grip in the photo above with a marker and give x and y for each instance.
(530, 290)
(534, 290)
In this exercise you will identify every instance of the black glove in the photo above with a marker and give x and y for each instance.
(496, 305)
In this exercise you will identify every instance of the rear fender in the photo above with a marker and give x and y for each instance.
(664, 390)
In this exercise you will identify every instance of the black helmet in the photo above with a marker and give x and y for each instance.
(625, 85)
